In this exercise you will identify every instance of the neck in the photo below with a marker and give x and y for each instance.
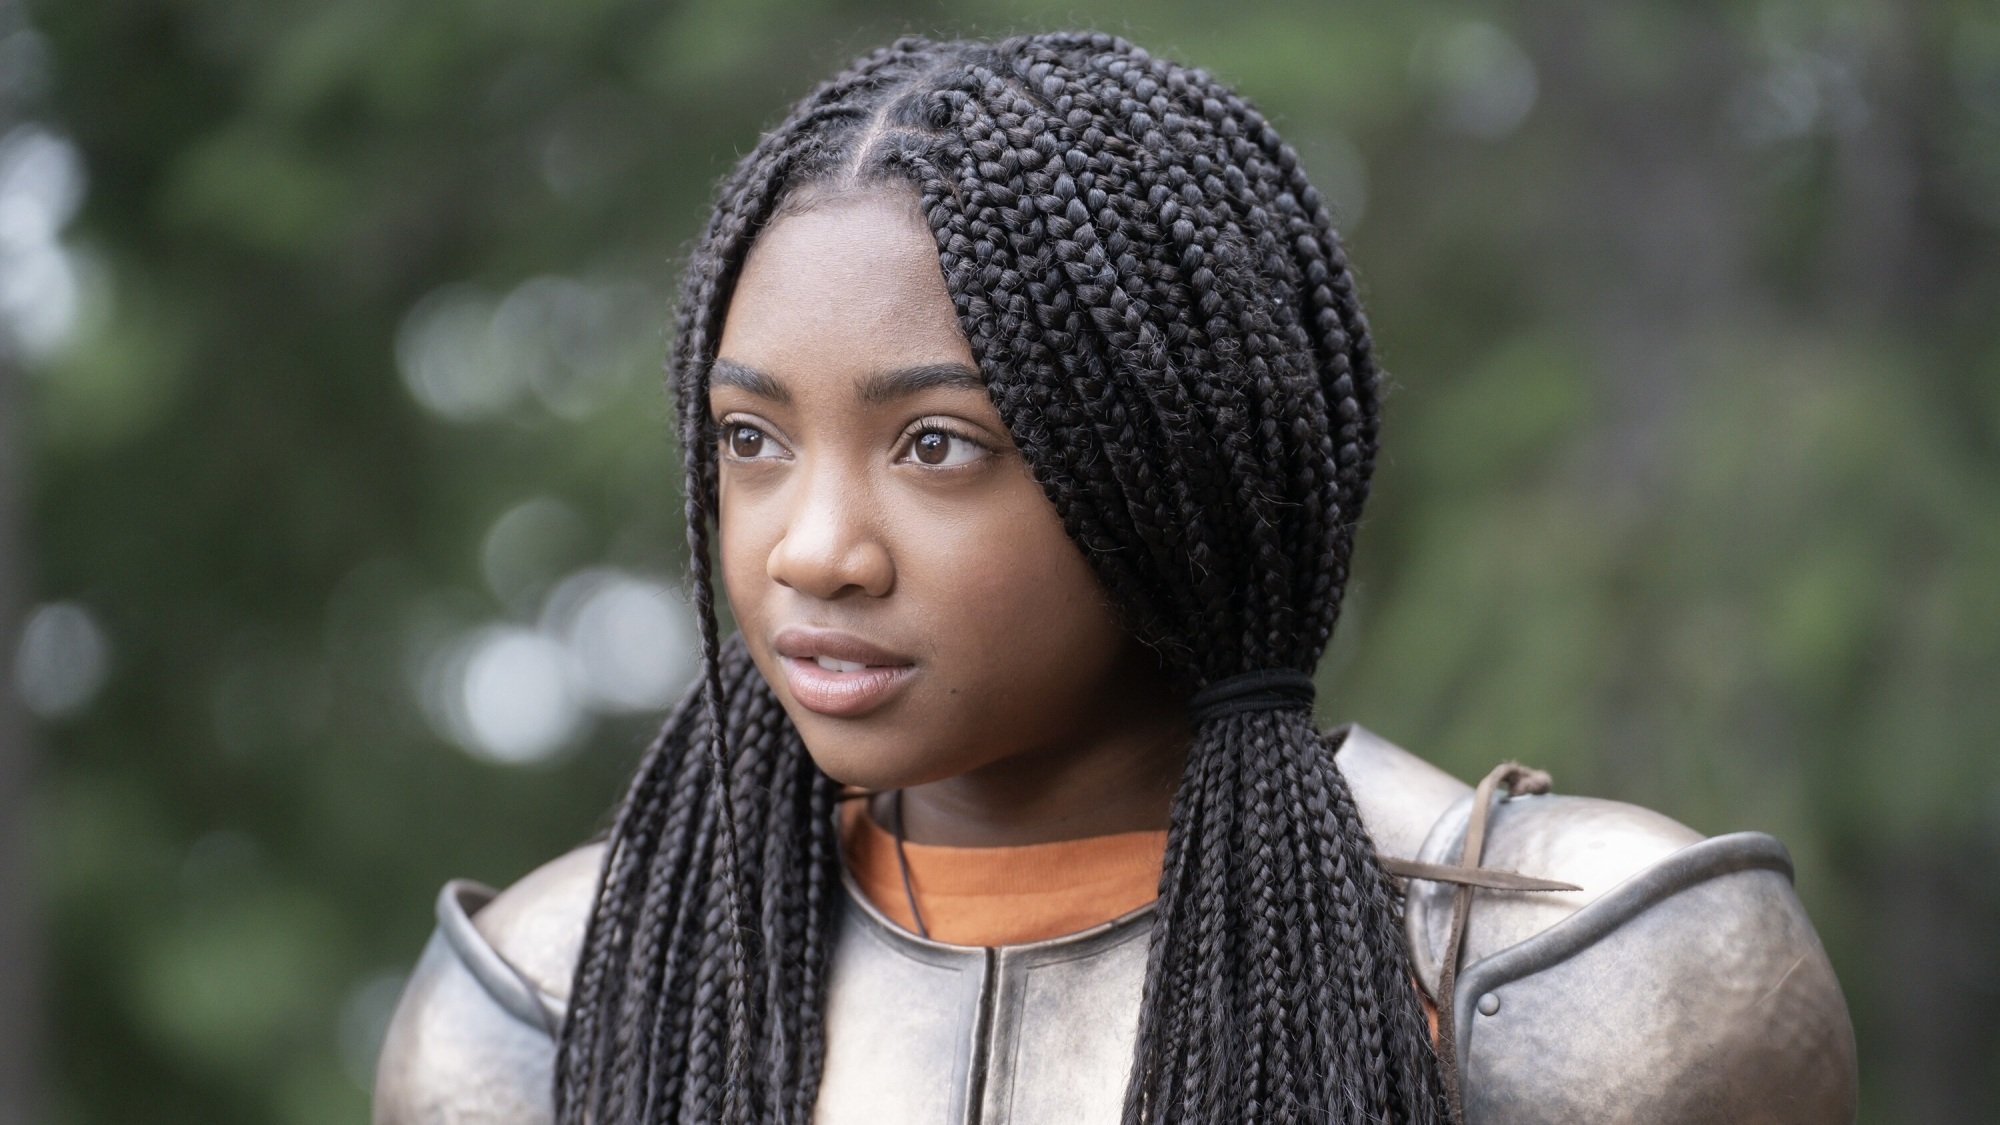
(1125, 784)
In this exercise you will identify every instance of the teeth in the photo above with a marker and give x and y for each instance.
(832, 665)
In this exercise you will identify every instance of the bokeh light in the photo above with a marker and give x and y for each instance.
(62, 660)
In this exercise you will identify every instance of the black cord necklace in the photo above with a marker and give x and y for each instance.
(903, 861)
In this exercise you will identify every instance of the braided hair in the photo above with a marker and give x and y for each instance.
(1166, 321)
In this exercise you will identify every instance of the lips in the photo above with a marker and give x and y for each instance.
(839, 674)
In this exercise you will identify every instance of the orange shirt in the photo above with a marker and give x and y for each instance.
(1004, 895)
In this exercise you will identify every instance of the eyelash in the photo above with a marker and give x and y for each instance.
(906, 445)
(930, 426)
(728, 428)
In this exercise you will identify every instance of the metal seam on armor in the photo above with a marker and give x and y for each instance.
(507, 985)
(983, 1032)
(1691, 866)
(1012, 967)
(1002, 974)
(863, 943)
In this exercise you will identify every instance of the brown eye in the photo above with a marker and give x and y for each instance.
(932, 447)
(746, 442)
(943, 449)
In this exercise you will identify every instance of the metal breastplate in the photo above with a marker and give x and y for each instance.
(923, 1033)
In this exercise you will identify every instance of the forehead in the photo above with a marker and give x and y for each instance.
(847, 286)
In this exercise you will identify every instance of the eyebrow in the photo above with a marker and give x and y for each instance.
(888, 386)
(876, 389)
(724, 373)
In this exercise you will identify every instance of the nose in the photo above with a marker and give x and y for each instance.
(831, 546)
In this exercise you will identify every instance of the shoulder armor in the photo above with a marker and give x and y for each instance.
(1399, 795)
(473, 1038)
(1682, 982)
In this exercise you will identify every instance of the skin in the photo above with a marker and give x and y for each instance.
(910, 520)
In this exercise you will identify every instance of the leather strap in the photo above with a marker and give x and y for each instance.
(1491, 878)
(1519, 780)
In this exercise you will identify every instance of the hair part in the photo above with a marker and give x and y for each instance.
(1167, 323)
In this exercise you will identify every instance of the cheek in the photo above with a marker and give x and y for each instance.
(742, 547)
(1020, 611)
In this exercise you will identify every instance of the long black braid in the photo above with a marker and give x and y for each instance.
(1166, 320)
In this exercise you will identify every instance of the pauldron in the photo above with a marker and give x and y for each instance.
(1681, 982)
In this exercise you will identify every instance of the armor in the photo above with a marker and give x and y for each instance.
(1680, 982)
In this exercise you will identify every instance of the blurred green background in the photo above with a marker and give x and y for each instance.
(339, 540)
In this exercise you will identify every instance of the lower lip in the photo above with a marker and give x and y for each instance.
(844, 694)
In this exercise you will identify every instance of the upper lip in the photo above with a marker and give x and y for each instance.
(805, 643)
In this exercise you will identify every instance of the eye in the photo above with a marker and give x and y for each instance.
(935, 446)
(745, 442)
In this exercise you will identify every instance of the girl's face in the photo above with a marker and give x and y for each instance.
(900, 579)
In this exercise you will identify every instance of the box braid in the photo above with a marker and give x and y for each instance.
(1166, 320)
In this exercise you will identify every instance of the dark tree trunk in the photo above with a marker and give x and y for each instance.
(20, 953)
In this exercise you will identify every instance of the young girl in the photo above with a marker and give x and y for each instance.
(1027, 390)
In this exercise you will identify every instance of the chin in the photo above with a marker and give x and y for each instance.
(872, 763)
(862, 770)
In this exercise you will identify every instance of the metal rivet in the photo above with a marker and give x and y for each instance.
(1489, 1004)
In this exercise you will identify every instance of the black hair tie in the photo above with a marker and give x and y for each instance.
(1273, 689)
